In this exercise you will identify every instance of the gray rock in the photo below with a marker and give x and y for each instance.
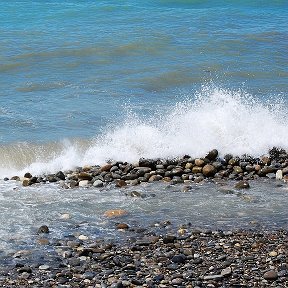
(98, 183)
(270, 275)
(181, 258)
(213, 277)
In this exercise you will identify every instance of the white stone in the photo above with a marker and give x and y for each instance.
(44, 267)
(98, 183)
(65, 216)
(83, 237)
(226, 272)
(83, 183)
(279, 175)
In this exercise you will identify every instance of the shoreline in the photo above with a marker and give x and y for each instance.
(160, 255)
(274, 165)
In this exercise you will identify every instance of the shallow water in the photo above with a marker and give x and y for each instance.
(214, 206)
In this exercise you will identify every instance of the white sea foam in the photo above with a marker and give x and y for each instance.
(233, 122)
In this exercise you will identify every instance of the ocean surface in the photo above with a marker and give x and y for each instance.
(83, 82)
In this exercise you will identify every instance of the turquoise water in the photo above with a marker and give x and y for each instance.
(85, 71)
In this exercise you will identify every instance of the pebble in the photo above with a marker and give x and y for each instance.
(226, 272)
(273, 254)
(83, 183)
(83, 237)
(270, 275)
(43, 229)
(115, 213)
(98, 183)
(44, 267)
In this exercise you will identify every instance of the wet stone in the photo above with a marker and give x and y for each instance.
(122, 226)
(270, 275)
(181, 258)
(98, 183)
(43, 229)
(242, 185)
(60, 175)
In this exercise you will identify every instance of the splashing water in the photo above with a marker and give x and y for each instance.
(233, 122)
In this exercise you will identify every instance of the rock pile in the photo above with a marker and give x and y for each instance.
(274, 165)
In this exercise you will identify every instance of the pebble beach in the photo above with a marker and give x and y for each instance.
(162, 254)
(143, 144)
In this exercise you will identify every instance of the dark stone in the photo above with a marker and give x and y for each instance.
(27, 175)
(181, 258)
(24, 269)
(169, 239)
(212, 155)
(33, 180)
(228, 157)
(60, 175)
(122, 226)
(89, 275)
(147, 163)
(43, 229)
(270, 275)
(158, 278)
(51, 178)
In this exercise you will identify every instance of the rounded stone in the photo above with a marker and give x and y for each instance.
(188, 165)
(122, 226)
(212, 155)
(120, 183)
(237, 169)
(155, 178)
(181, 258)
(44, 267)
(83, 183)
(177, 281)
(115, 213)
(273, 254)
(27, 175)
(26, 182)
(43, 229)
(43, 241)
(98, 183)
(270, 275)
(105, 168)
(199, 162)
(83, 237)
(84, 176)
(196, 169)
(209, 170)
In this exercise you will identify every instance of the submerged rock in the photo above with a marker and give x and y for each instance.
(43, 229)
(242, 185)
(115, 213)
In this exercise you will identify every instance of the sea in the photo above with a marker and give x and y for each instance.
(86, 82)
